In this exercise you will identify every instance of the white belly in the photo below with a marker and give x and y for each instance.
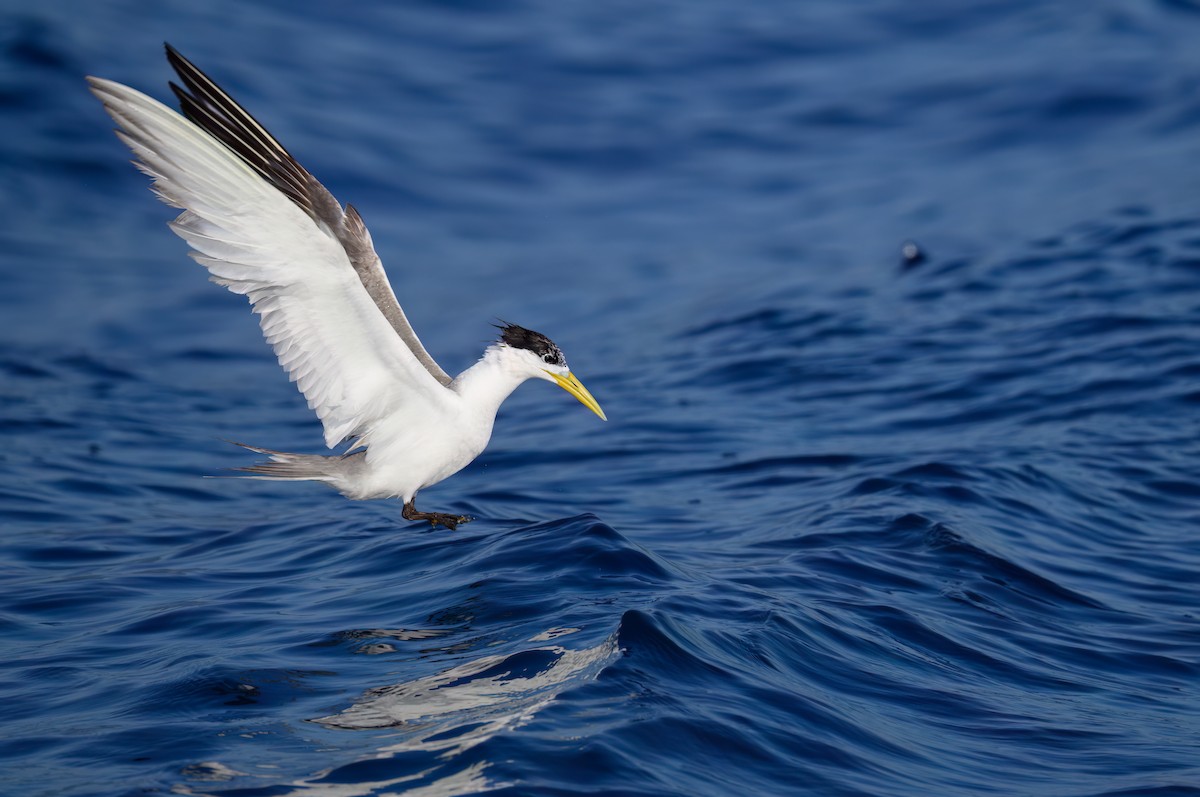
(406, 455)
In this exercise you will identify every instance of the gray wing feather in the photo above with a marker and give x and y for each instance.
(357, 240)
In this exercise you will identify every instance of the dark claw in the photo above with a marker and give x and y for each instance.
(449, 521)
(435, 518)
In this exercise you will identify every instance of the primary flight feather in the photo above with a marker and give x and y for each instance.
(265, 228)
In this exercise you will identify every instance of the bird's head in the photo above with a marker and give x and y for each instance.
(535, 355)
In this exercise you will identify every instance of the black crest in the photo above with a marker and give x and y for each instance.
(536, 342)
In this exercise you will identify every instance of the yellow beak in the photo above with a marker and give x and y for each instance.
(569, 383)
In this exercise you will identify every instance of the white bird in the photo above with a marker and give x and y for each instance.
(265, 228)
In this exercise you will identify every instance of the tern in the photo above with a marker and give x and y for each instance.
(267, 229)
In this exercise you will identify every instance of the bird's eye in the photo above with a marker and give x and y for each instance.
(548, 357)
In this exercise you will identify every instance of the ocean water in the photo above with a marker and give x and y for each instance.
(895, 311)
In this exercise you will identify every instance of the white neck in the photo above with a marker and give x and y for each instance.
(486, 384)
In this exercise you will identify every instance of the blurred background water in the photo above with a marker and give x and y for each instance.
(865, 520)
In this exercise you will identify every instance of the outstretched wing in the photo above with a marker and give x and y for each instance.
(206, 104)
(265, 229)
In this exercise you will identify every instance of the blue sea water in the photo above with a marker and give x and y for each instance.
(866, 520)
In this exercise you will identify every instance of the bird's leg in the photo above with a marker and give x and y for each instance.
(435, 518)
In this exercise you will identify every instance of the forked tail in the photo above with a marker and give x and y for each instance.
(301, 467)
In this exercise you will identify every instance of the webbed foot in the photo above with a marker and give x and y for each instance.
(435, 518)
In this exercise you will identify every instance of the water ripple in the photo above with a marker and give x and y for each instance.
(866, 520)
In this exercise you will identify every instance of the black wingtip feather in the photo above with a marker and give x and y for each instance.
(208, 106)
